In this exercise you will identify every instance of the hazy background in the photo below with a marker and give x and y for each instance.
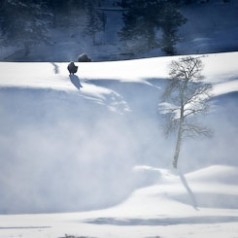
(62, 152)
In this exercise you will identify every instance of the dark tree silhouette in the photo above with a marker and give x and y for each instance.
(24, 23)
(95, 20)
(143, 19)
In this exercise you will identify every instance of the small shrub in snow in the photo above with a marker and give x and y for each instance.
(72, 236)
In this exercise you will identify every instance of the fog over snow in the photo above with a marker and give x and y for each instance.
(92, 145)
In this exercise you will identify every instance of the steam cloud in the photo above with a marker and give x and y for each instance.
(60, 152)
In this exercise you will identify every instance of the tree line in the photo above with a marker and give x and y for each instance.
(30, 22)
(148, 24)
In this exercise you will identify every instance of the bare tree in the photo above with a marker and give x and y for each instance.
(185, 97)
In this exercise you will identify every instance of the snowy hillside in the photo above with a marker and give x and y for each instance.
(93, 144)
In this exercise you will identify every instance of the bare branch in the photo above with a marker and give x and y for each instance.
(185, 97)
(192, 130)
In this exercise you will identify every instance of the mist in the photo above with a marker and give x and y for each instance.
(59, 152)
(62, 152)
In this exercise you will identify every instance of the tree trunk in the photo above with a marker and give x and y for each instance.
(178, 146)
(180, 132)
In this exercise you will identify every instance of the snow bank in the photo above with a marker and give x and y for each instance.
(219, 68)
(217, 173)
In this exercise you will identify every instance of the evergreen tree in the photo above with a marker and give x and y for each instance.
(170, 20)
(140, 21)
(143, 19)
(24, 23)
(66, 13)
(95, 19)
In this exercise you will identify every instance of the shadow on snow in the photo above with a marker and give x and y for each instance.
(75, 81)
(163, 221)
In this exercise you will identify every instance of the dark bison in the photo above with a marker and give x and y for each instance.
(72, 68)
(84, 58)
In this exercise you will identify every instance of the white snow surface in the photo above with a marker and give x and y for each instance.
(220, 69)
(161, 208)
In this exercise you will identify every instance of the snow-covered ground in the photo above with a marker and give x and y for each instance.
(219, 68)
(161, 210)
(92, 145)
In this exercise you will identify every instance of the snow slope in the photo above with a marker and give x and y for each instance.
(75, 144)
(218, 68)
(154, 211)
